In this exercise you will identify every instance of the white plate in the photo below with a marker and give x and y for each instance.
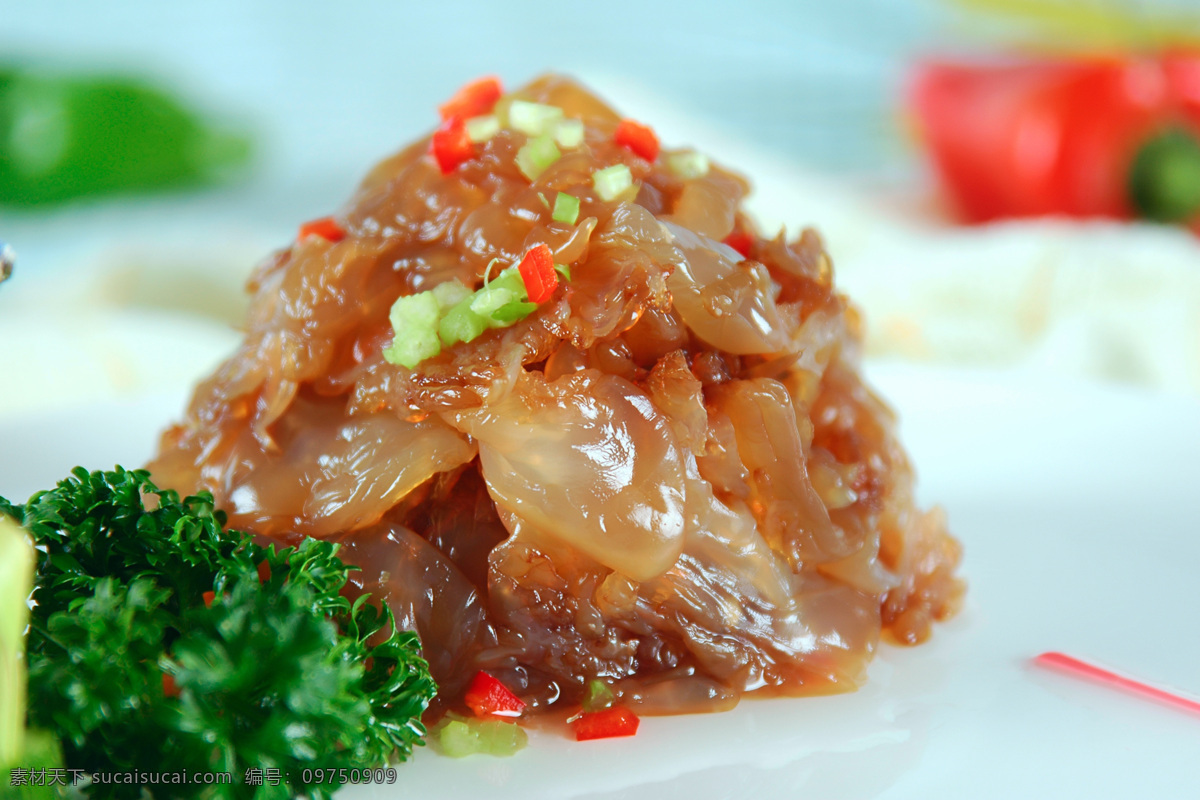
(1073, 504)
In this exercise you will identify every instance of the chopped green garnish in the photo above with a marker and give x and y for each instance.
(598, 696)
(487, 300)
(506, 301)
(545, 202)
(688, 165)
(135, 671)
(461, 324)
(510, 279)
(569, 133)
(487, 271)
(450, 293)
(566, 208)
(451, 313)
(458, 323)
(564, 270)
(514, 311)
(534, 119)
(414, 321)
(535, 155)
(611, 182)
(465, 737)
(480, 129)
(504, 288)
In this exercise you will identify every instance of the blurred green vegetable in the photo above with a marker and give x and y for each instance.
(66, 136)
(41, 752)
(16, 580)
(19, 748)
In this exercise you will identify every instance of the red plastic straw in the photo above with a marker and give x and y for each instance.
(1066, 663)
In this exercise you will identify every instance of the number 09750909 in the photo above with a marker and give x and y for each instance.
(344, 776)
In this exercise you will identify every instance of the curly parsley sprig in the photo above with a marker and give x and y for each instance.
(161, 642)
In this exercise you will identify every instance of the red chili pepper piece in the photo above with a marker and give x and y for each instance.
(637, 137)
(451, 145)
(169, 687)
(537, 270)
(606, 724)
(1114, 680)
(488, 697)
(741, 241)
(476, 98)
(208, 599)
(325, 227)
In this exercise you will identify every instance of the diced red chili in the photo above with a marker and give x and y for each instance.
(741, 241)
(169, 687)
(208, 599)
(606, 724)
(637, 137)
(325, 227)
(488, 697)
(476, 98)
(451, 145)
(537, 270)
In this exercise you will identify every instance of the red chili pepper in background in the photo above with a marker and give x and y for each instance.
(450, 145)
(169, 687)
(488, 697)
(637, 137)
(606, 724)
(476, 98)
(325, 227)
(537, 271)
(1102, 136)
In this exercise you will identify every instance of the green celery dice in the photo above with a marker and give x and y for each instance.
(461, 324)
(415, 326)
(460, 738)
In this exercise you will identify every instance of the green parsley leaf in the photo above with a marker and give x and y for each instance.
(134, 671)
